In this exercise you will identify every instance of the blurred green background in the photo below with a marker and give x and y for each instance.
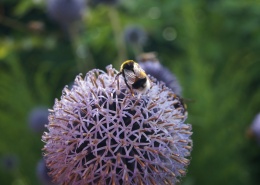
(213, 47)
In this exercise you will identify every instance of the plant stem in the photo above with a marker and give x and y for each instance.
(121, 48)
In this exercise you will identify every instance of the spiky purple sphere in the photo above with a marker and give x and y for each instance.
(38, 118)
(135, 35)
(100, 134)
(42, 173)
(66, 11)
(255, 128)
(153, 67)
(163, 74)
(9, 162)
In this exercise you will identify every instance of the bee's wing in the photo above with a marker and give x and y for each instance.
(129, 76)
(139, 72)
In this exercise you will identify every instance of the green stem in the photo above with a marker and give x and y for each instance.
(121, 48)
(137, 49)
(84, 58)
(12, 23)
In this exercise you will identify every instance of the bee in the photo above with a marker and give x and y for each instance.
(134, 77)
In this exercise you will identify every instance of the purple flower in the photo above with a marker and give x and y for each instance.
(66, 12)
(152, 66)
(9, 162)
(42, 173)
(100, 134)
(135, 35)
(38, 118)
(254, 130)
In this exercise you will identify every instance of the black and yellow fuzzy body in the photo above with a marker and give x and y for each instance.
(134, 76)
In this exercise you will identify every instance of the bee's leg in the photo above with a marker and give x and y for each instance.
(116, 79)
(131, 90)
(117, 83)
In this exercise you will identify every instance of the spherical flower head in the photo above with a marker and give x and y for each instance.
(38, 118)
(42, 173)
(9, 162)
(255, 128)
(66, 11)
(152, 66)
(135, 35)
(99, 133)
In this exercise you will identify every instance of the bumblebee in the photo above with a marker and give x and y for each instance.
(134, 77)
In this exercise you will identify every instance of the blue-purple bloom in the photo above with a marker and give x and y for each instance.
(98, 133)
(38, 118)
(9, 162)
(66, 12)
(152, 66)
(42, 173)
(135, 35)
(254, 129)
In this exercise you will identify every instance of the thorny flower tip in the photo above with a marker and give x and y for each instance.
(98, 133)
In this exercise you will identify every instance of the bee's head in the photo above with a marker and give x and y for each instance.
(128, 64)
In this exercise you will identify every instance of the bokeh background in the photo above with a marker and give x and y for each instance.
(213, 48)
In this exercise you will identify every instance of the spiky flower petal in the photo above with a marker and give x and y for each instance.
(100, 134)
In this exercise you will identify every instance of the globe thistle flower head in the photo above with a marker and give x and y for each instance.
(66, 11)
(254, 130)
(98, 133)
(38, 118)
(42, 173)
(9, 162)
(135, 35)
(152, 66)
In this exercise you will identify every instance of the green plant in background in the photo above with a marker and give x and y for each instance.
(211, 46)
